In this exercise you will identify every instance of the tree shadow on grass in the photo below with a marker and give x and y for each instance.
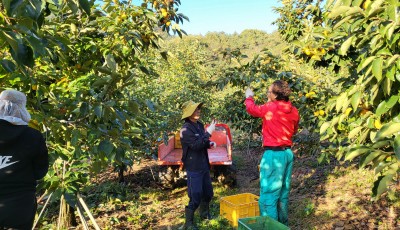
(141, 202)
(325, 196)
(337, 196)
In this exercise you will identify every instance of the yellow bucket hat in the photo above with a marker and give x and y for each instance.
(189, 107)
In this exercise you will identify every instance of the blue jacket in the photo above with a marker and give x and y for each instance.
(195, 142)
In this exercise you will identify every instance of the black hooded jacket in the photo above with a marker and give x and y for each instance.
(23, 158)
(195, 144)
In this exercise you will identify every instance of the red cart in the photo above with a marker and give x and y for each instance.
(170, 155)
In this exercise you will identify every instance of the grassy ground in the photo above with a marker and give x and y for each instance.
(330, 196)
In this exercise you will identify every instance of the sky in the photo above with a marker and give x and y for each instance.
(228, 16)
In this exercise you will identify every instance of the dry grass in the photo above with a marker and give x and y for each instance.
(322, 197)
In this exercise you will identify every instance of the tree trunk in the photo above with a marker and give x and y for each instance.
(121, 174)
(66, 216)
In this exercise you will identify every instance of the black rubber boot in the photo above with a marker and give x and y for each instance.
(189, 223)
(204, 211)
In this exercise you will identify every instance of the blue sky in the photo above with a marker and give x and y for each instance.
(229, 16)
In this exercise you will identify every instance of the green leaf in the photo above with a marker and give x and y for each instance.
(341, 10)
(354, 132)
(376, 4)
(381, 185)
(356, 2)
(76, 134)
(387, 86)
(98, 110)
(150, 105)
(23, 55)
(338, 24)
(381, 144)
(387, 130)
(363, 136)
(106, 147)
(377, 68)
(392, 101)
(375, 11)
(370, 157)
(370, 122)
(355, 152)
(396, 146)
(381, 108)
(341, 100)
(110, 61)
(8, 65)
(390, 73)
(391, 11)
(385, 52)
(14, 4)
(11, 39)
(133, 107)
(73, 6)
(85, 6)
(392, 59)
(324, 127)
(84, 108)
(346, 45)
(353, 10)
(355, 100)
(101, 82)
(36, 44)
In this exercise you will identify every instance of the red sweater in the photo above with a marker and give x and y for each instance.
(280, 121)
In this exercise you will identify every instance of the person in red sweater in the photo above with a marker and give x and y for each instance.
(280, 121)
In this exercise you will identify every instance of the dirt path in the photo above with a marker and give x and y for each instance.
(322, 197)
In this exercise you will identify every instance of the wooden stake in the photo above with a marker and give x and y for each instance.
(80, 214)
(41, 212)
(88, 212)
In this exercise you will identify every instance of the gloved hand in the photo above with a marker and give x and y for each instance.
(210, 129)
(213, 144)
(249, 93)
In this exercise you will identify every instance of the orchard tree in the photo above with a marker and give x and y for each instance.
(359, 40)
(77, 64)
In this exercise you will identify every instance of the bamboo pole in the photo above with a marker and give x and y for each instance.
(41, 197)
(80, 214)
(62, 200)
(82, 202)
(60, 212)
(41, 212)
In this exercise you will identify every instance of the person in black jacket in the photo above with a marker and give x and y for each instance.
(195, 142)
(23, 160)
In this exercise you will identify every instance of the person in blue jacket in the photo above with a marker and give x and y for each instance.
(23, 160)
(195, 142)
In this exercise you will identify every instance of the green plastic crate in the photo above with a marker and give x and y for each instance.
(260, 223)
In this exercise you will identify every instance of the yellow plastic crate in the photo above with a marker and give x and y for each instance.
(178, 144)
(239, 206)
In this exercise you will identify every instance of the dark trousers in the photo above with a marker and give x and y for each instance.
(199, 188)
(17, 211)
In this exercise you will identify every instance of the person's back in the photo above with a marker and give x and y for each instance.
(280, 119)
(280, 123)
(23, 160)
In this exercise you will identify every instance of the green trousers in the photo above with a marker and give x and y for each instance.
(275, 176)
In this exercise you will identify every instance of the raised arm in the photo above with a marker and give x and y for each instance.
(253, 109)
